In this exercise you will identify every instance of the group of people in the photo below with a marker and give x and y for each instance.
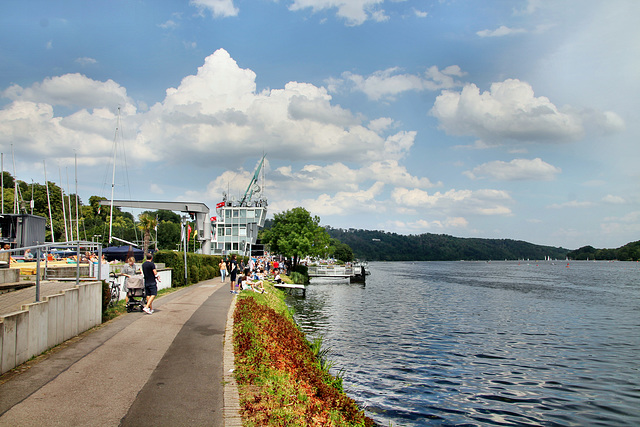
(250, 276)
(151, 279)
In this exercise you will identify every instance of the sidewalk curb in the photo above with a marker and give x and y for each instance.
(231, 397)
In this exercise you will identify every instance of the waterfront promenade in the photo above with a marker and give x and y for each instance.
(171, 368)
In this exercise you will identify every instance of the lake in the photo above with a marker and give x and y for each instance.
(484, 343)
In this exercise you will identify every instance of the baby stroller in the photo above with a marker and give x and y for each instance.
(135, 293)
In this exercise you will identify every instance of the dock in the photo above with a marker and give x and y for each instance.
(355, 273)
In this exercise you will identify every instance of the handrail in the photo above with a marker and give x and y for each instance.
(75, 244)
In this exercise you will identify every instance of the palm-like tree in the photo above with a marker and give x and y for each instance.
(146, 224)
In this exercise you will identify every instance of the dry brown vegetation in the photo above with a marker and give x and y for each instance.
(281, 381)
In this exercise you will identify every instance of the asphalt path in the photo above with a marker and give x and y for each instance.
(163, 369)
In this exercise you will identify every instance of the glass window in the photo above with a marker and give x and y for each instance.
(243, 232)
(251, 213)
(234, 231)
(227, 246)
(235, 213)
(235, 246)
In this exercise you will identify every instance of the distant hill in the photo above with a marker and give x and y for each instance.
(384, 246)
(628, 252)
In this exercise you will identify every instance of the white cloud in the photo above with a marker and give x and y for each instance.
(215, 117)
(614, 200)
(570, 204)
(501, 31)
(509, 111)
(389, 83)
(419, 13)
(72, 90)
(456, 202)
(168, 25)
(338, 175)
(156, 189)
(341, 203)
(218, 8)
(355, 12)
(218, 109)
(86, 61)
(421, 226)
(515, 170)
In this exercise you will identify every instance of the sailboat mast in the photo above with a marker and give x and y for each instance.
(113, 176)
(77, 222)
(53, 239)
(15, 184)
(69, 203)
(64, 210)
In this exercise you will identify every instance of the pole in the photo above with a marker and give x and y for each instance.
(2, 180)
(113, 175)
(77, 222)
(184, 222)
(38, 274)
(64, 211)
(53, 239)
(69, 203)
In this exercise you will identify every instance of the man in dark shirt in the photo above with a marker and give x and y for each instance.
(150, 287)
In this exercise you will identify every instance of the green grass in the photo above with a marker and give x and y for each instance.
(282, 378)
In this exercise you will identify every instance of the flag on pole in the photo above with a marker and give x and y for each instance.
(188, 232)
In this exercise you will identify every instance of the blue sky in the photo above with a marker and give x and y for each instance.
(498, 119)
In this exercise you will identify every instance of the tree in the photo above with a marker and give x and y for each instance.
(296, 234)
(342, 251)
(147, 223)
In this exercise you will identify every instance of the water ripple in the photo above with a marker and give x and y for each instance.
(485, 343)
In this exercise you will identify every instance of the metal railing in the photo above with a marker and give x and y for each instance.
(46, 248)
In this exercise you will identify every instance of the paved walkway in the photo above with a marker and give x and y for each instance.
(14, 300)
(171, 368)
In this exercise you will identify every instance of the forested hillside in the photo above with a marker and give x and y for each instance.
(384, 246)
(628, 252)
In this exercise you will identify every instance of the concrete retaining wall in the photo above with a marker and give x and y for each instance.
(9, 275)
(42, 325)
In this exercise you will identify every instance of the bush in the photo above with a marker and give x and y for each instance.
(199, 267)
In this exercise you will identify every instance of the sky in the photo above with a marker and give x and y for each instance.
(496, 119)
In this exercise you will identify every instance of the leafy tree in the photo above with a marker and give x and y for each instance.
(146, 224)
(7, 180)
(168, 234)
(296, 234)
(342, 251)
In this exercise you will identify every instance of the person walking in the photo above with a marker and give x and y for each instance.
(233, 272)
(150, 282)
(223, 269)
(127, 271)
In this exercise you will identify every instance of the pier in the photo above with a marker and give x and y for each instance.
(355, 273)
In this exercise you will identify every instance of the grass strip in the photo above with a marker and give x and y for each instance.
(280, 379)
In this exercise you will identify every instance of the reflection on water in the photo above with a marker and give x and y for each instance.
(506, 343)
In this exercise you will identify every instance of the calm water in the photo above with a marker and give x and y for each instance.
(475, 343)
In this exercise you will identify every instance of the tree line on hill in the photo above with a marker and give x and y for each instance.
(628, 252)
(374, 245)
